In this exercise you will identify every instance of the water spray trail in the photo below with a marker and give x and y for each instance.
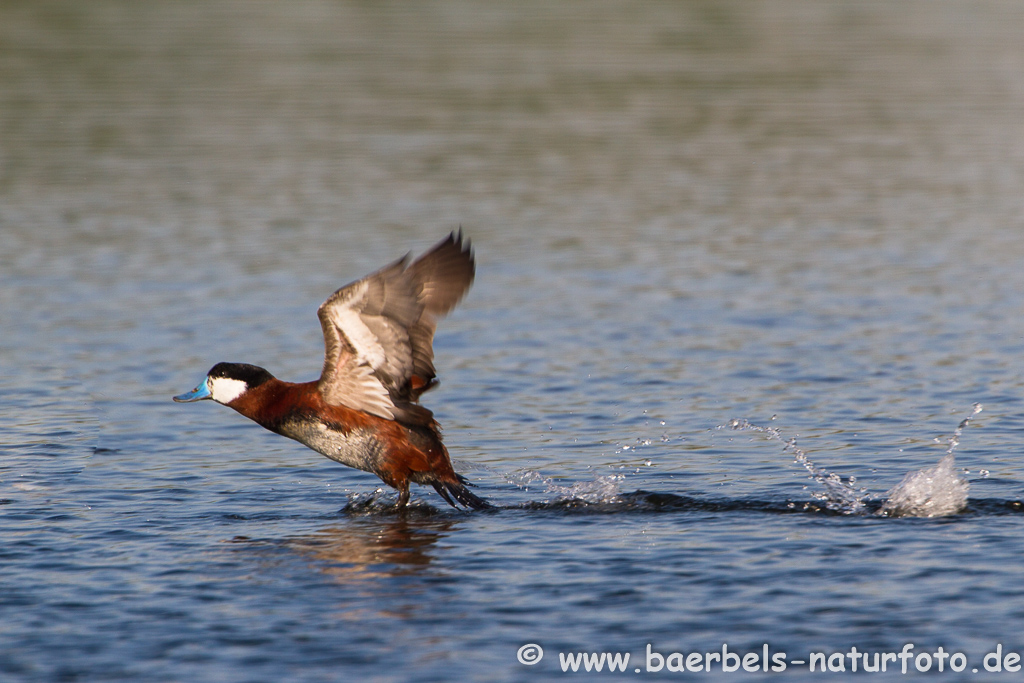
(603, 489)
(954, 440)
(839, 496)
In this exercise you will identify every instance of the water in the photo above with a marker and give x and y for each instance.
(684, 214)
(935, 491)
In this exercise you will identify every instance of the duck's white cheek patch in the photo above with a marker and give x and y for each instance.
(225, 389)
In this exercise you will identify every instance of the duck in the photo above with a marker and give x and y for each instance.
(364, 411)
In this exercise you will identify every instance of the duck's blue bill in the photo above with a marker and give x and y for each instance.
(197, 394)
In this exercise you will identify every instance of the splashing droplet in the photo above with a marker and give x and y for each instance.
(934, 491)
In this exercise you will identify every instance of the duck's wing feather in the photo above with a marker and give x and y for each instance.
(443, 276)
(378, 331)
(444, 273)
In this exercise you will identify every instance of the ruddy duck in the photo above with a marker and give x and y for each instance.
(364, 410)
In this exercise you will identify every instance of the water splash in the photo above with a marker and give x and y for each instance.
(839, 496)
(934, 491)
(372, 501)
(603, 489)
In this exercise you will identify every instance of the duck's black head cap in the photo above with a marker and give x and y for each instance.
(252, 375)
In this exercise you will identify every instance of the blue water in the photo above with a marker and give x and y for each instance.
(804, 215)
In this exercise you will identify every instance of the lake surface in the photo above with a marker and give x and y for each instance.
(805, 215)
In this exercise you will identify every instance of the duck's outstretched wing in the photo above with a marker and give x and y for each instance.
(378, 331)
(443, 275)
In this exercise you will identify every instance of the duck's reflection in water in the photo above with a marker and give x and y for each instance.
(374, 547)
(377, 561)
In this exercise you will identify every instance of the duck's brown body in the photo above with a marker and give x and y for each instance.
(397, 453)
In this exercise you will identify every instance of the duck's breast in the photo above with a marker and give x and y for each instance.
(358, 447)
